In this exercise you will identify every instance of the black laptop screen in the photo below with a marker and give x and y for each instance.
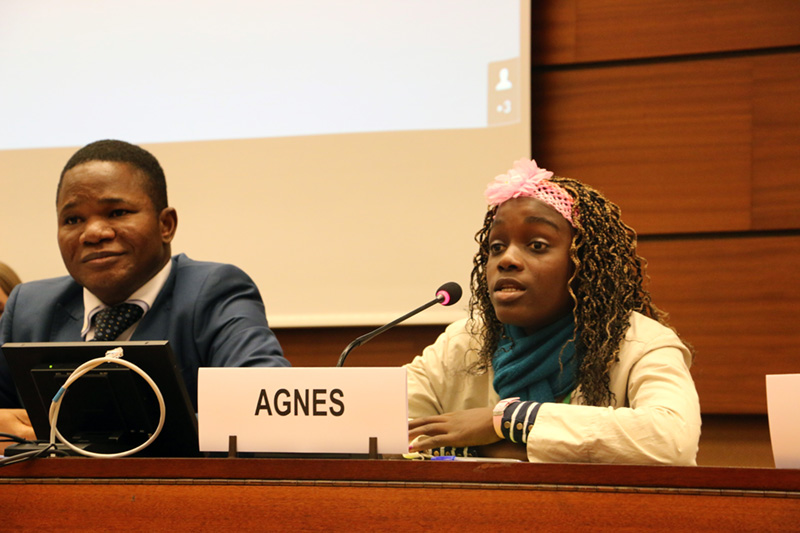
(111, 408)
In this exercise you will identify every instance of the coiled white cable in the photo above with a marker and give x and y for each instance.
(112, 356)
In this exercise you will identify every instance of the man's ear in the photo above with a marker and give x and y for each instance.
(168, 221)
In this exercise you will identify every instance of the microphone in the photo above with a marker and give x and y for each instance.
(447, 294)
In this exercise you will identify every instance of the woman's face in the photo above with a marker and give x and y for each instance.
(529, 267)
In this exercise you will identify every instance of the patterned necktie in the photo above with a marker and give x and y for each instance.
(111, 321)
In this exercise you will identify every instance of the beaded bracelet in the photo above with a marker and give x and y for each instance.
(458, 451)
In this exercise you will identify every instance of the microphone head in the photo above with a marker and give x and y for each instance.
(449, 293)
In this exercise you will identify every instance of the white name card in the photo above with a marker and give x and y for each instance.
(303, 410)
(783, 395)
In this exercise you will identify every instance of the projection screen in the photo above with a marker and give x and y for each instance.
(336, 151)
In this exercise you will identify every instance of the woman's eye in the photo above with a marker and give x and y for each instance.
(495, 248)
(70, 221)
(118, 212)
(538, 246)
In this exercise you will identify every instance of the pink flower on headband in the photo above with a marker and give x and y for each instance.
(528, 180)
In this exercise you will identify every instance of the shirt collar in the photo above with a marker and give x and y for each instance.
(143, 297)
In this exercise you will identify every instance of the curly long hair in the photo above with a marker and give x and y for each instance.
(608, 284)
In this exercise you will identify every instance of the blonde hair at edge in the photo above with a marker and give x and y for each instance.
(8, 278)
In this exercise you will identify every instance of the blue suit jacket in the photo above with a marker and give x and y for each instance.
(212, 315)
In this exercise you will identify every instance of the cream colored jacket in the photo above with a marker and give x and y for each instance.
(655, 416)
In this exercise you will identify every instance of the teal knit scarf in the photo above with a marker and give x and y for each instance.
(530, 366)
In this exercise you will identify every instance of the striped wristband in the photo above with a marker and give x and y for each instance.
(518, 420)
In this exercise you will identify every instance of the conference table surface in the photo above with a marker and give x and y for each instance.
(75, 493)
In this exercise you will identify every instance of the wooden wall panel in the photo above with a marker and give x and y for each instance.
(737, 300)
(584, 31)
(323, 346)
(776, 143)
(687, 114)
(677, 144)
(670, 143)
(735, 440)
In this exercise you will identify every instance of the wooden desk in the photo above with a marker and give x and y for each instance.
(359, 495)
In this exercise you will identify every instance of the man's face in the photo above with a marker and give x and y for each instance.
(529, 267)
(112, 240)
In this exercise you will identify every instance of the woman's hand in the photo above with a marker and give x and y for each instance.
(472, 427)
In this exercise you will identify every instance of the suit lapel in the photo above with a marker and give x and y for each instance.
(155, 323)
(68, 320)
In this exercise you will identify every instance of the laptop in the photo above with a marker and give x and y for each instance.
(110, 409)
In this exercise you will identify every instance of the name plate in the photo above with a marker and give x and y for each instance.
(783, 395)
(303, 410)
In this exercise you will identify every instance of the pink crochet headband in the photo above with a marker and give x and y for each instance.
(527, 179)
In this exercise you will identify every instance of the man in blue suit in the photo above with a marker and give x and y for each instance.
(114, 232)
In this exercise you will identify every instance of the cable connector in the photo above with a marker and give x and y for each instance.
(116, 353)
